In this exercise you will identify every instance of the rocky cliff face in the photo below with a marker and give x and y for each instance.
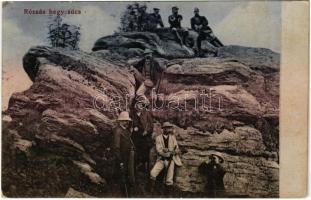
(57, 135)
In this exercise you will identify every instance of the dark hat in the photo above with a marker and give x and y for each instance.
(156, 8)
(196, 10)
(175, 8)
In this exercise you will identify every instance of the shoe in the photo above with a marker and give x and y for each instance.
(152, 186)
(169, 191)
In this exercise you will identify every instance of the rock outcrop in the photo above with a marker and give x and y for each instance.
(57, 135)
(162, 43)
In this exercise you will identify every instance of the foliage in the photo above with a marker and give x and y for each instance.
(130, 17)
(63, 35)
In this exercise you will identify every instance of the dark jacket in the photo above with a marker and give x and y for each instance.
(198, 20)
(214, 173)
(175, 21)
(124, 149)
(154, 21)
(143, 144)
(156, 69)
(143, 20)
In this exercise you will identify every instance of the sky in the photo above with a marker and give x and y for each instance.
(247, 23)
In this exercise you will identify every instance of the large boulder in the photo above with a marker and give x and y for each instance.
(56, 122)
(58, 133)
(162, 43)
(226, 105)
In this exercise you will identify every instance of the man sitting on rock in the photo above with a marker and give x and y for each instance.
(155, 20)
(200, 25)
(168, 156)
(175, 24)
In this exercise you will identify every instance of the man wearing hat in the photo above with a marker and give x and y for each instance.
(214, 173)
(200, 25)
(155, 20)
(175, 24)
(168, 156)
(124, 150)
(151, 72)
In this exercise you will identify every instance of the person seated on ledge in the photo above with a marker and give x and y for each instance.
(175, 24)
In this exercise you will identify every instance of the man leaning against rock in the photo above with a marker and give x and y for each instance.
(168, 157)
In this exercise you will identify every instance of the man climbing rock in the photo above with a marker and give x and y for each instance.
(175, 24)
(214, 173)
(124, 150)
(200, 25)
(155, 20)
(168, 156)
(151, 73)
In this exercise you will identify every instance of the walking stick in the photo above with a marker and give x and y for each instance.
(158, 87)
(124, 180)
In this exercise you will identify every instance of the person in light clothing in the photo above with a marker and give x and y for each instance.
(168, 156)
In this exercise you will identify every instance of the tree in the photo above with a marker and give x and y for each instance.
(63, 35)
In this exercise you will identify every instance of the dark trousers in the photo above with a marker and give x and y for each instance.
(180, 35)
(203, 35)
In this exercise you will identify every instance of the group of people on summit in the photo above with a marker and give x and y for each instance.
(139, 20)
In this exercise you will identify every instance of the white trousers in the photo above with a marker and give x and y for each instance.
(159, 166)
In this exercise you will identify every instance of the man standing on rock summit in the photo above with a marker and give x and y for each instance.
(124, 150)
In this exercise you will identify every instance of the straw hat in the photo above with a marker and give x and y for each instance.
(124, 116)
(148, 83)
(167, 124)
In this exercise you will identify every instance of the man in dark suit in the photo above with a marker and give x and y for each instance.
(155, 20)
(214, 173)
(200, 25)
(175, 24)
(124, 151)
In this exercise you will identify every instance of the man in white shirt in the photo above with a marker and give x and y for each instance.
(168, 156)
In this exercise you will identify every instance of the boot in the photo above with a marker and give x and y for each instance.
(169, 192)
(152, 186)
